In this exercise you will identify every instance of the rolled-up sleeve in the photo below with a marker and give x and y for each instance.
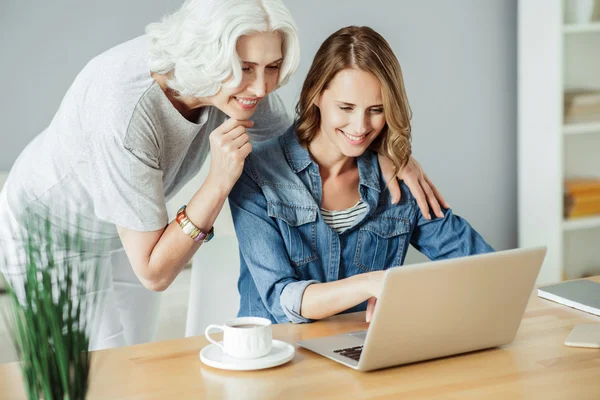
(291, 300)
(263, 252)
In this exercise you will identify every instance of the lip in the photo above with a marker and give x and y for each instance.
(353, 142)
(247, 106)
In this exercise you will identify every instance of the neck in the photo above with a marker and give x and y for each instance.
(332, 163)
(187, 106)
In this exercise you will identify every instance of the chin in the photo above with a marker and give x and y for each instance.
(236, 113)
(354, 153)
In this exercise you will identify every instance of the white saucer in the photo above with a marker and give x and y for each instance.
(282, 352)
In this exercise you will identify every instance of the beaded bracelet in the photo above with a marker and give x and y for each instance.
(192, 230)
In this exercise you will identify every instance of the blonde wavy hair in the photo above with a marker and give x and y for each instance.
(359, 47)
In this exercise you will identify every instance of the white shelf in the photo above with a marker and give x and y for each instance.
(581, 223)
(554, 57)
(582, 28)
(578, 129)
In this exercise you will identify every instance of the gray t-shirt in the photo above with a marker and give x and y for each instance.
(117, 149)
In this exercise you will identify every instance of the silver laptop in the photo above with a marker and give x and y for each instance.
(440, 308)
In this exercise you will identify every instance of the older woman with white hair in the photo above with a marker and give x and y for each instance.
(137, 123)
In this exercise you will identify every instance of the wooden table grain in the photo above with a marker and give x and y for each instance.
(536, 365)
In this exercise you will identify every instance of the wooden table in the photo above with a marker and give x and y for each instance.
(535, 366)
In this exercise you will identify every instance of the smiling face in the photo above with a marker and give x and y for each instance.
(354, 65)
(351, 109)
(261, 57)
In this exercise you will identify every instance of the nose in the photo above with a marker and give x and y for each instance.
(259, 85)
(361, 124)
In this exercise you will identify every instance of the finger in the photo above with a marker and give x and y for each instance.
(241, 140)
(370, 308)
(417, 191)
(245, 150)
(433, 203)
(394, 188)
(231, 123)
(388, 171)
(235, 133)
(369, 312)
(437, 194)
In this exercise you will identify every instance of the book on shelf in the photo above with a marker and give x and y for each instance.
(582, 197)
(582, 185)
(575, 208)
(581, 106)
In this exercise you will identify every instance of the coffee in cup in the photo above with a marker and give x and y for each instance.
(247, 326)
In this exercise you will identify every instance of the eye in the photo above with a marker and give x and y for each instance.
(245, 69)
(273, 67)
(345, 108)
(376, 110)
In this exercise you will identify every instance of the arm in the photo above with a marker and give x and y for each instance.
(447, 237)
(262, 248)
(323, 300)
(158, 256)
(327, 299)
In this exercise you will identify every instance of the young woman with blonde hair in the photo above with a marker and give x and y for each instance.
(313, 214)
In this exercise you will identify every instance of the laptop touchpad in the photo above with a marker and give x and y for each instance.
(359, 334)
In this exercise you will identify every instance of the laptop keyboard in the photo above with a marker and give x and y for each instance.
(350, 352)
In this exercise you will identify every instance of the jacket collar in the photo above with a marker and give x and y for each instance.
(296, 155)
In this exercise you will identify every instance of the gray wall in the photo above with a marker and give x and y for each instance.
(458, 58)
(44, 44)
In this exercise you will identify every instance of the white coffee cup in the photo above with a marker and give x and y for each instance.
(245, 337)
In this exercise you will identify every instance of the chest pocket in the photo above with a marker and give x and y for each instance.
(298, 229)
(381, 242)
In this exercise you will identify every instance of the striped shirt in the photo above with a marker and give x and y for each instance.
(340, 220)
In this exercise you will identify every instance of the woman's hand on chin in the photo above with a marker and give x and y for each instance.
(229, 147)
(425, 192)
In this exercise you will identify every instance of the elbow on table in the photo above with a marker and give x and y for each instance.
(310, 317)
(300, 317)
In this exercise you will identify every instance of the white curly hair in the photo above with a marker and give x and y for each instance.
(196, 46)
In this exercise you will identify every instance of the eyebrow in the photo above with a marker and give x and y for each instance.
(353, 105)
(272, 62)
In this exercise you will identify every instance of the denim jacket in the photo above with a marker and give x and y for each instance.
(285, 245)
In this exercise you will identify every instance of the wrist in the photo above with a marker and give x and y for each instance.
(219, 186)
(374, 281)
(189, 228)
(361, 285)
